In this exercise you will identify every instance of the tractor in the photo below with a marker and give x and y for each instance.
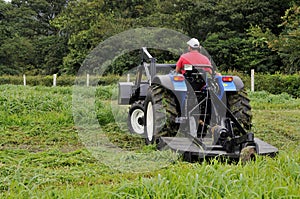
(198, 114)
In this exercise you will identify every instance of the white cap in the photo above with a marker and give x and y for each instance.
(194, 43)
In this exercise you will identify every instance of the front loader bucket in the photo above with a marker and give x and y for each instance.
(192, 151)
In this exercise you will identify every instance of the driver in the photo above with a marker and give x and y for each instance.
(192, 57)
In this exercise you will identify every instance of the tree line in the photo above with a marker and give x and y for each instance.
(55, 36)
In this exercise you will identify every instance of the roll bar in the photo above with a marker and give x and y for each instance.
(146, 56)
(145, 52)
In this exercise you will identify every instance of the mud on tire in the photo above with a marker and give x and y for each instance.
(239, 104)
(161, 109)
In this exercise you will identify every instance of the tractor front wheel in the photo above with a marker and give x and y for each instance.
(135, 121)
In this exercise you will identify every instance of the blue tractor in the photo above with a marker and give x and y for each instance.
(198, 114)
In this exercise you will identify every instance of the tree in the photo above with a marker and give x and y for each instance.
(16, 51)
(27, 24)
(287, 43)
(16, 55)
(85, 26)
(228, 41)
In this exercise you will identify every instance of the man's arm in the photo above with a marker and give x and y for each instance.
(179, 65)
(178, 70)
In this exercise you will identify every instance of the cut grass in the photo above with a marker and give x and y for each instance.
(41, 155)
(276, 119)
(281, 128)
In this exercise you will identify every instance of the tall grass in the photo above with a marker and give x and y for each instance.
(265, 178)
(41, 155)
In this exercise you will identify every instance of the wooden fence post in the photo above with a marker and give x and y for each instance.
(24, 80)
(54, 79)
(252, 80)
(87, 80)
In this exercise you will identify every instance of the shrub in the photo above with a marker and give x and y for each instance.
(278, 83)
(274, 84)
(64, 80)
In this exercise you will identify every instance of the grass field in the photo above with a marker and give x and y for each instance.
(42, 156)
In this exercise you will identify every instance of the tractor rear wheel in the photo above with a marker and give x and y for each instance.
(239, 104)
(135, 121)
(161, 109)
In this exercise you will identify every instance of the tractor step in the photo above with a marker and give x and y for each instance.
(191, 150)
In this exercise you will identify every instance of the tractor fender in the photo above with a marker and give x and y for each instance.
(238, 83)
(178, 88)
(167, 82)
(164, 81)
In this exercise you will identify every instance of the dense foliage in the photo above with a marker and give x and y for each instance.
(54, 36)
